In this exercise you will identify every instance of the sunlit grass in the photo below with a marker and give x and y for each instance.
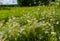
(41, 23)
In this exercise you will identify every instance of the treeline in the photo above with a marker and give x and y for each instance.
(34, 2)
(29, 3)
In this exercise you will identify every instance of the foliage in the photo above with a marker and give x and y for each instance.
(34, 2)
(40, 23)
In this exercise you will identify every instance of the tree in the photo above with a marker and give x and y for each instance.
(33, 2)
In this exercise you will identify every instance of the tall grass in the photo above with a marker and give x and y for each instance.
(41, 23)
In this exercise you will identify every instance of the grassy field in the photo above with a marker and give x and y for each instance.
(41, 23)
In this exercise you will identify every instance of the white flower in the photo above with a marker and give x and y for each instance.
(10, 19)
(15, 24)
(28, 16)
(9, 36)
(44, 12)
(14, 18)
(28, 21)
(53, 12)
(21, 30)
(1, 33)
(15, 39)
(43, 24)
(53, 32)
(43, 21)
(51, 19)
(48, 23)
(57, 22)
(10, 31)
(37, 25)
(59, 37)
(46, 32)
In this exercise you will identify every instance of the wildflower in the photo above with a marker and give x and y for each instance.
(14, 18)
(28, 21)
(44, 12)
(43, 21)
(10, 19)
(53, 32)
(39, 6)
(51, 19)
(28, 16)
(15, 24)
(15, 39)
(1, 33)
(44, 24)
(46, 32)
(37, 25)
(9, 31)
(57, 22)
(59, 37)
(48, 23)
(21, 30)
(53, 12)
(9, 36)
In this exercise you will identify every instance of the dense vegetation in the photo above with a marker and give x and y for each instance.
(38, 23)
(34, 2)
(41, 23)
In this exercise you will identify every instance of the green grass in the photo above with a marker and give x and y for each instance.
(18, 11)
(41, 23)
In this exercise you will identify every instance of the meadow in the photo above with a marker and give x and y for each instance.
(40, 23)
